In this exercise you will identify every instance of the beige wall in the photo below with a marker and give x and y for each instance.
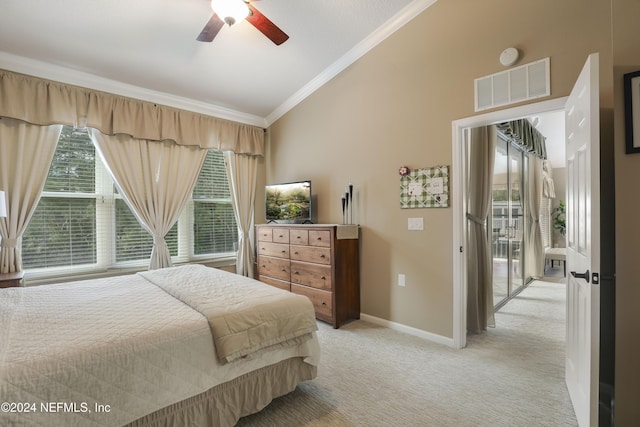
(395, 106)
(626, 44)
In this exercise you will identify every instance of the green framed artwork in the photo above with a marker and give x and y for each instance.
(425, 188)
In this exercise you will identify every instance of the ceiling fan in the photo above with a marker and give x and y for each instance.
(232, 11)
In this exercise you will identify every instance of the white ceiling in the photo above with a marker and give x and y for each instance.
(148, 49)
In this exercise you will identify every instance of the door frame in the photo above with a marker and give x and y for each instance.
(458, 189)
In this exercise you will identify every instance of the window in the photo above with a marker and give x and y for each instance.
(62, 231)
(545, 221)
(214, 224)
(82, 223)
(132, 241)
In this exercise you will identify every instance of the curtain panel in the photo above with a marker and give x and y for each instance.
(548, 187)
(480, 162)
(242, 171)
(535, 248)
(26, 152)
(155, 180)
(44, 102)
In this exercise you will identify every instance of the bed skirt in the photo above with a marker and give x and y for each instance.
(225, 404)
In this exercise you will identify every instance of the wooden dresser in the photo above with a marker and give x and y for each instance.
(319, 261)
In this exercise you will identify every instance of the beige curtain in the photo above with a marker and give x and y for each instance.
(45, 102)
(155, 179)
(242, 172)
(548, 186)
(535, 248)
(480, 160)
(26, 152)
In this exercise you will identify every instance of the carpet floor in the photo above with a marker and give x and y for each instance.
(512, 375)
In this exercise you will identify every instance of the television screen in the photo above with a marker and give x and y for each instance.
(288, 202)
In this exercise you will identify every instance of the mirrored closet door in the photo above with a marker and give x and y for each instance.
(508, 222)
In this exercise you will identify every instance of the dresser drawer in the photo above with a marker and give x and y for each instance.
(314, 275)
(275, 282)
(280, 250)
(321, 300)
(298, 237)
(320, 238)
(311, 254)
(280, 235)
(277, 268)
(265, 234)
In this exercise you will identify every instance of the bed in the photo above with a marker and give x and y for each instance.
(187, 345)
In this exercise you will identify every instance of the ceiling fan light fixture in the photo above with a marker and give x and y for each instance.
(230, 11)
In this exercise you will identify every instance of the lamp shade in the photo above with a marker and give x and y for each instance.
(230, 11)
(3, 205)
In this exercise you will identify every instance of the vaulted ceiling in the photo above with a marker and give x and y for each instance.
(148, 49)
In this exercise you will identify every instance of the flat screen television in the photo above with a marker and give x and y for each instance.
(288, 203)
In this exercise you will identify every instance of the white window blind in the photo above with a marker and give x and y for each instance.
(214, 224)
(132, 241)
(82, 223)
(62, 231)
(545, 222)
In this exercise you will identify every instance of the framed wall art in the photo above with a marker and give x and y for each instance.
(632, 111)
(425, 188)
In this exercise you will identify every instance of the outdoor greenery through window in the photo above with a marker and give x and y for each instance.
(214, 228)
(81, 221)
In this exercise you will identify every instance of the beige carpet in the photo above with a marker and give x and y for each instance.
(374, 376)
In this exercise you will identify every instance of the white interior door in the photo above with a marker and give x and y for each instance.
(583, 243)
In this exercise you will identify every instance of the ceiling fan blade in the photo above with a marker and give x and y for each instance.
(210, 30)
(266, 27)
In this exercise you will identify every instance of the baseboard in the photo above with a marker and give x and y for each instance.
(439, 339)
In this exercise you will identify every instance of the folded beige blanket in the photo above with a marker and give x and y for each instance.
(245, 316)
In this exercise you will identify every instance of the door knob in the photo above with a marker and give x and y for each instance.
(584, 275)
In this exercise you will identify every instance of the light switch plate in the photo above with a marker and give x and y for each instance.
(416, 223)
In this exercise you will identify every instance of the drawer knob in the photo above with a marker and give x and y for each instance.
(323, 278)
(322, 256)
(295, 253)
(284, 269)
(324, 303)
(297, 237)
(295, 272)
(319, 238)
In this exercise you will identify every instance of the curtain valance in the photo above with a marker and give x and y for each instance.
(44, 102)
(524, 135)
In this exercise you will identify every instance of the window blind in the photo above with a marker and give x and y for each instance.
(132, 241)
(214, 224)
(62, 231)
(545, 221)
(82, 223)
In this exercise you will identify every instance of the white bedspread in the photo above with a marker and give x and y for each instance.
(108, 351)
(245, 316)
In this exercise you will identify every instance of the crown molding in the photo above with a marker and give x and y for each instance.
(391, 26)
(61, 74)
(66, 75)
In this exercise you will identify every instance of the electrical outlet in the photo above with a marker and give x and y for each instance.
(401, 280)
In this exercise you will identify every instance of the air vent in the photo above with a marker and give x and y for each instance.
(529, 81)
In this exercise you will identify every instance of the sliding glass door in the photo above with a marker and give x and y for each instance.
(508, 222)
